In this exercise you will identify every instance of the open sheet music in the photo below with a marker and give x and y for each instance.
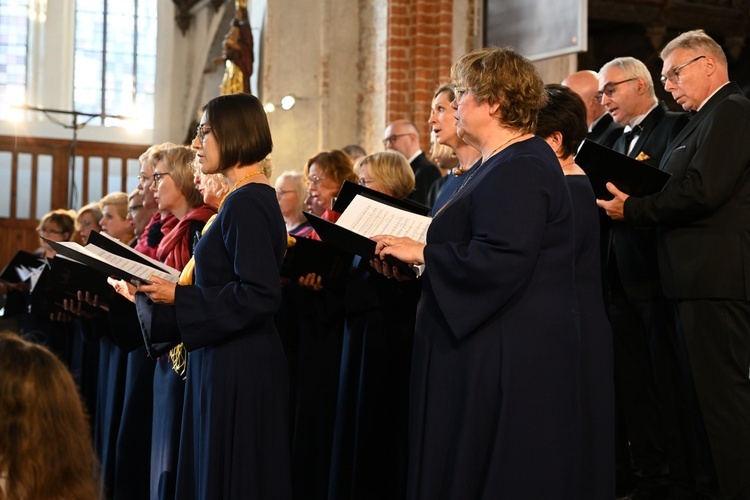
(368, 218)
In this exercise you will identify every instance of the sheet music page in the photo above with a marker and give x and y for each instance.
(368, 218)
(32, 273)
(134, 268)
(155, 262)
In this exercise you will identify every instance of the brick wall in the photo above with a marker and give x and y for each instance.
(419, 56)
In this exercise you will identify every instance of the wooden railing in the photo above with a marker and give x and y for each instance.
(35, 177)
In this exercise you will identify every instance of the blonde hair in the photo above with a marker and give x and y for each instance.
(45, 443)
(391, 170)
(147, 158)
(118, 200)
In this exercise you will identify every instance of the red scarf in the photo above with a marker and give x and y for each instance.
(174, 249)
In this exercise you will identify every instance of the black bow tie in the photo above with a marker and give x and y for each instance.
(635, 131)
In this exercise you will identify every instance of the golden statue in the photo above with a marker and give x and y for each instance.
(237, 53)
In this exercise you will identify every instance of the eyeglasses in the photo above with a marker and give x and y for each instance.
(365, 182)
(158, 176)
(673, 75)
(48, 231)
(461, 92)
(315, 180)
(609, 89)
(282, 192)
(202, 131)
(143, 178)
(392, 138)
(134, 209)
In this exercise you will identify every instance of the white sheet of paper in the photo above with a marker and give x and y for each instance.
(134, 268)
(369, 218)
(32, 273)
(155, 262)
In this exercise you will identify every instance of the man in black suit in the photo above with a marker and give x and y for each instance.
(602, 128)
(402, 136)
(703, 219)
(641, 317)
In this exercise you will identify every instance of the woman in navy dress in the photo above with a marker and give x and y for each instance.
(494, 403)
(562, 123)
(234, 441)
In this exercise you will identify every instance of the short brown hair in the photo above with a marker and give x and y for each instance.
(65, 219)
(240, 126)
(502, 76)
(564, 113)
(335, 164)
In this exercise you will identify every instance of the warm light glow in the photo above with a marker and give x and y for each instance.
(287, 102)
(269, 107)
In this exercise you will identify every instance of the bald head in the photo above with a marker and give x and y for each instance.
(401, 136)
(586, 84)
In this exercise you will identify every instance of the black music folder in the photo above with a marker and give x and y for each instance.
(312, 256)
(349, 241)
(349, 190)
(21, 259)
(69, 276)
(631, 176)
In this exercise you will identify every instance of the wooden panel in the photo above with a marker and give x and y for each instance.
(20, 234)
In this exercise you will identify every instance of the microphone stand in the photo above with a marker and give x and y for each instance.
(75, 126)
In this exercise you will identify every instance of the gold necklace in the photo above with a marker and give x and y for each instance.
(236, 185)
(501, 146)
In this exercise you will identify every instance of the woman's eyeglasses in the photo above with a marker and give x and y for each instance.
(315, 180)
(202, 131)
(158, 177)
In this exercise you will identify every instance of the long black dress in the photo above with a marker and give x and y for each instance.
(597, 369)
(234, 441)
(495, 372)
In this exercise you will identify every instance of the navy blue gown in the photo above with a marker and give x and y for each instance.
(597, 359)
(494, 405)
(234, 441)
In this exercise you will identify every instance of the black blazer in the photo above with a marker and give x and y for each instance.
(703, 213)
(634, 248)
(425, 173)
(606, 131)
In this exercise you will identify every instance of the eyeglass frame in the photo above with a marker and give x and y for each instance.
(610, 89)
(676, 72)
(316, 180)
(143, 178)
(364, 182)
(201, 132)
(460, 92)
(49, 231)
(157, 177)
(393, 138)
(282, 192)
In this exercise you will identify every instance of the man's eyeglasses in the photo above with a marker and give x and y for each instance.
(202, 131)
(461, 92)
(392, 138)
(315, 180)
(134, 209)
(610, 89)
(142, 178)
(673, 75)
(158, 177)
(282, 192)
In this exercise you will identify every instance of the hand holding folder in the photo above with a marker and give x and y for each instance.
(629, 175)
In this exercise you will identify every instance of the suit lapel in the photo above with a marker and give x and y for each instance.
(648, 125)
(725, 91)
